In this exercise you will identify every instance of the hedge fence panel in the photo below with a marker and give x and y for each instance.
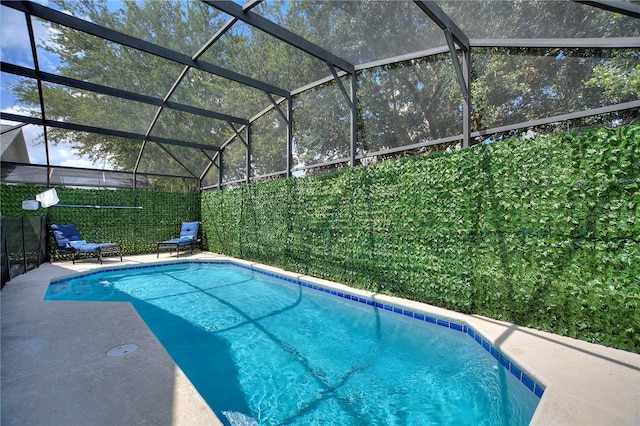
(138, 230)
(543, 232)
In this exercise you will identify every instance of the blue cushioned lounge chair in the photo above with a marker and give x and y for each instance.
(188, 239)
(69, 241)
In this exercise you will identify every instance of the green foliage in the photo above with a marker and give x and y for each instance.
(399, 104)
(138, 230)
(542, 232)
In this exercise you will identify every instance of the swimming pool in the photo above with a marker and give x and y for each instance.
(264, 349)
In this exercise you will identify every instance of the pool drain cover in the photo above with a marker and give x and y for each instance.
(122, 350)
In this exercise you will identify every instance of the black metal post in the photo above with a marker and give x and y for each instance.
(24, 243)
(466, 102)
(248, 131)
(354, 119)
(289, 135)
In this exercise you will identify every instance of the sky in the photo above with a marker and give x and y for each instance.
(16, 49)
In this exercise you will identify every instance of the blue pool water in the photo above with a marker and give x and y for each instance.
(267, 351)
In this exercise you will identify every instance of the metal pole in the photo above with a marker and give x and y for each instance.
(289, 135)
(354, 120)
(24, 243)
(220, 174)
(34, 53)
(40, 238)
(248, 131)
(466, 101)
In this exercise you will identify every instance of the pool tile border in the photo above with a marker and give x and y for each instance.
(519, 373)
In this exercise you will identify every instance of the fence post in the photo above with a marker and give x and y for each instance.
(24, 243)
(6, 270)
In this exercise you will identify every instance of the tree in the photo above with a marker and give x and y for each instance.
(408, 102)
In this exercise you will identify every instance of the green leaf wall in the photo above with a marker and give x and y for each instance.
(138, 230)
(544, 232)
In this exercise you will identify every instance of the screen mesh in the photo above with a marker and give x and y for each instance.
(234, 162)
(322, 125)
(408, 103)
(269, 143)
(518, 85)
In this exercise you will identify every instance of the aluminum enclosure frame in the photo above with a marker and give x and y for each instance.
(459, 46)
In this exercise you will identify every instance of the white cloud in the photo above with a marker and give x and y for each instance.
(16, 110)
(61, 154)
(75, 162)
(14, 39)
(14, 30)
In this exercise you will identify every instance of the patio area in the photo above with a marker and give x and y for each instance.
(55, 369)
(447, 152)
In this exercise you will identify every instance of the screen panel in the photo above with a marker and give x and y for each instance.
(194, 160)
(88, 58)
(71, 105)
(25, 174)
(23, 143)
(359, 32)
(180, 25)
(322, 125)
(209, 91)
(269, 143)
(156, 160)
(91, 150)
(537, 19)
(188, 127)
(95, 178)
(19, 95)
(518, 85)
(256, 54)
(234, 162)
(408, 103)
(211, 178)
(14, 37)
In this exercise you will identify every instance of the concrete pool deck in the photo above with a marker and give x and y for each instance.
(55, 371)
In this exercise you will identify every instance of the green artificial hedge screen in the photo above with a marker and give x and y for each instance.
(138, 230)
(542, 232)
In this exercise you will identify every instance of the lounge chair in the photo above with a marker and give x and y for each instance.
(69, 241)
(188, 239)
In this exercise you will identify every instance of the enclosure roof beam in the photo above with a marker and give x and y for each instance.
(136, 43)
(402, 58)
(579, 43)
(622, 7)
(257, 21)
(110, 91)
(101, 131)
(558, 118)
(81, 169)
